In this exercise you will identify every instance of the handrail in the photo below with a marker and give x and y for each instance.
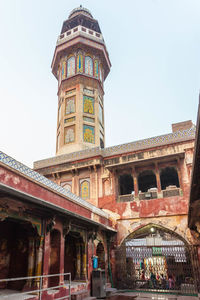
(40, 290)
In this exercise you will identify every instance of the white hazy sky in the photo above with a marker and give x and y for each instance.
(154, 47)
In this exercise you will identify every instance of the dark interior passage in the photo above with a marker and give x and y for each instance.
(146, 181)
(14, 250)
(70, 256)
(54, 257)
(126, 186)
(169, 176)
(101, 256)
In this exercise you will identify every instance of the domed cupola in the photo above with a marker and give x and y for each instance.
(80, 10)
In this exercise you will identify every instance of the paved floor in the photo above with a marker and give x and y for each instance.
(6, 295)
(148, 296)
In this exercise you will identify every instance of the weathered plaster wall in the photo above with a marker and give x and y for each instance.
(176, 224)
(23, 184)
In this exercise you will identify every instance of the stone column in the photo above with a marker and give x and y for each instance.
(135, 182)
(158, 178)
(62, 258)
(47, 249)
(179, 173)
(30, 261)
(76, 183)
(96, 185)
(84, 262)
(73, 181)
(38, 267)
(114, 179)
(78, 261)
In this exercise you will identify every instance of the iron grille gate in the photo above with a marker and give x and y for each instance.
(170, 268)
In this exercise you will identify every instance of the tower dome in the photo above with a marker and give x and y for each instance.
(80, 10)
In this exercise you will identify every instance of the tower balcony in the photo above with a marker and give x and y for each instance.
(80, 31)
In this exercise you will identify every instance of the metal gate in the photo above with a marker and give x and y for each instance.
(154, 259)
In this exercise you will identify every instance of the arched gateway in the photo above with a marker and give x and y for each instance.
(154, 258)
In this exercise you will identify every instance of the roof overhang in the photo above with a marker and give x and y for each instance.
(154, 160)
(59, 210)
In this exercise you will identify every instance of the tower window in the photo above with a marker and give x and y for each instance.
(89, 65)
(71, 66)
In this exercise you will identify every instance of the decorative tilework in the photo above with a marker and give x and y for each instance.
(96, 68)
(100, 74)
(88, 104)
(71, 66)
(89, 65)
(70, 106)
(70, 120)
(85, 189)
(79, 63)
(21, 168)
(63, 70)
(67, 185)
(70, 92)
(89, 92)
(88, 134)
(87, 119)
(69, 134)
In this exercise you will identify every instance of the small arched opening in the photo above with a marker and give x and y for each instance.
(146, 181)
(75, 257)
(100, 252)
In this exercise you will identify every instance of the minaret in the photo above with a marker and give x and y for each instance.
(81, 64)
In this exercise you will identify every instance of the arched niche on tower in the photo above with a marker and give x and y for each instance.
(88, 65)
(71, 66)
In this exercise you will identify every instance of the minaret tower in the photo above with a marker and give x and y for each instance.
(81, 64)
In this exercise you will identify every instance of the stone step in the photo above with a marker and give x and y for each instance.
(80, 295)
(110, 291)
(124, 296)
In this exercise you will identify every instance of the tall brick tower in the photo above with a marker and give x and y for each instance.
(81, 64)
